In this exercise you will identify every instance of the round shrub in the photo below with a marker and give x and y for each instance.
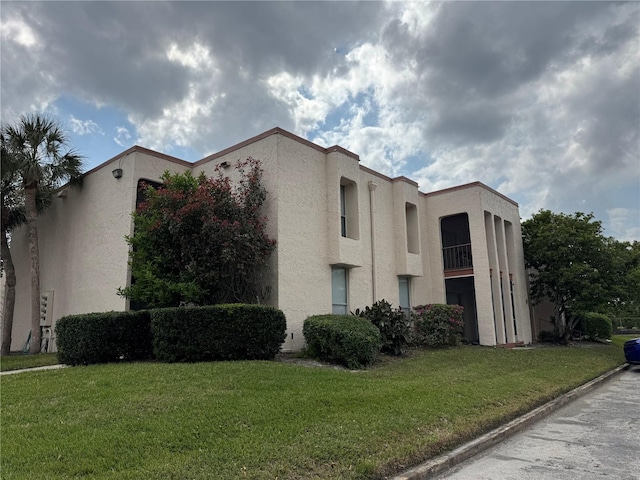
(346, 339)
(439, 325)
(597, 325)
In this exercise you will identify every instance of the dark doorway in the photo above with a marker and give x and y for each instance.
(461, 291)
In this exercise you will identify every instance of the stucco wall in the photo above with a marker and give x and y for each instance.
(83, 252)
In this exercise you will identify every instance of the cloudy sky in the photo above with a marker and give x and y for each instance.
(539, 100)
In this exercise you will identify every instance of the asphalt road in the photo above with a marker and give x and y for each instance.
(596, 436)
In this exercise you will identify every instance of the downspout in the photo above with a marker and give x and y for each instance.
(372, 203)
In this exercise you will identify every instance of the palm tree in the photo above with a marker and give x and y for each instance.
(9, 207)
(34, 147)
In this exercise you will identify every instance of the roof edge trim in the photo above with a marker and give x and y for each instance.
(471, 185)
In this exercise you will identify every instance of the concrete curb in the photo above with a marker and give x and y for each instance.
(446, 461)
(34, 369)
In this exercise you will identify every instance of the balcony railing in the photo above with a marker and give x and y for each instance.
(457, 257)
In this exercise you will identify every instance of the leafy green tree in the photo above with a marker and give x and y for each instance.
(200, 240)
(625, 279)
(570, 265)
(37, 159)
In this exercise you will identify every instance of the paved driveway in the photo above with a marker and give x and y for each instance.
(595, 437)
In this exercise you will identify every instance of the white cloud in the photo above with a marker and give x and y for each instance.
(623, 223)
(84, 127)
(123, 137)
(195, 57)
(368, 84)
(16, 30)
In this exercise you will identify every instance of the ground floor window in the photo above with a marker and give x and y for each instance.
(339, 290)
(404, 286)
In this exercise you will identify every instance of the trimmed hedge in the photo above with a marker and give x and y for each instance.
(217, 332)
(597, 325)
(190, 334)
(104, 337)
(347, 339)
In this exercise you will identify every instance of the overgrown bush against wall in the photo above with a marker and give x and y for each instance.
(597, 326)
(438, 325)
(200, 240)
(394, 326)
(104, 337)
(347, 339)
(217, 332)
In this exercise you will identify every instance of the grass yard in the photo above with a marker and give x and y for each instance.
(268, 420)
(18, 361)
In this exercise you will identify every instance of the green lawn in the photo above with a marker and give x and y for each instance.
(18, 361)
(267, 420)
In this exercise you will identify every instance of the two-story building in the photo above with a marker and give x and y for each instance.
(347, 236)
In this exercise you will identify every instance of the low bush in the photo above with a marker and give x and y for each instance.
(346, 339)
(393, 324)
(104, 337)
(217, 332)
(597, 325)
(546, 336)
(438, 325)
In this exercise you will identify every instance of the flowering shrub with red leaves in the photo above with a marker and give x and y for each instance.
(438, 325)
(200, 240)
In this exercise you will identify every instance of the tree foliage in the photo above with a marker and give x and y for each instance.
(200, 240)
(575, 267)
(625, 279)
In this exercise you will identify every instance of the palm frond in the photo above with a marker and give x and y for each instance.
(35, 154)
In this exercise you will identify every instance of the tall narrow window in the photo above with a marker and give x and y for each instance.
(339, 293)
(413, 239)
(349, 218)
(404, 286)
(343, 211)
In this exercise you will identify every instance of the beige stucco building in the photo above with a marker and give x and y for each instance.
(347, 236)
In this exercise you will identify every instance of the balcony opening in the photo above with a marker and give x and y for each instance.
(456, 243)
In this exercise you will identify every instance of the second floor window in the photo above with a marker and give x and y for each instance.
(349, 217)
(343, 211)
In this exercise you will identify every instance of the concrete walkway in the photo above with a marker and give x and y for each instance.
(449, 460)
(593, 437)
(34, 369)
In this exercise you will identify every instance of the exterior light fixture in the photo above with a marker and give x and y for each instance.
(224, 164)
(117, 173)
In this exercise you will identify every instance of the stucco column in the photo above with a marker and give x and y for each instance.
(479, 249)
(372, 210)
(498, 318)
(505, 287)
